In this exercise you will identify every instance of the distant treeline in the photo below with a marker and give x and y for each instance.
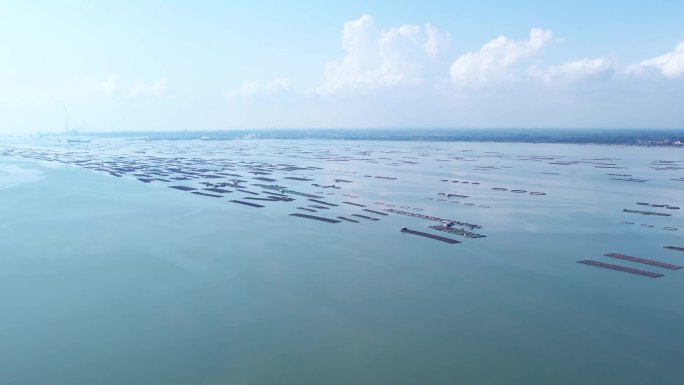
(644, 137)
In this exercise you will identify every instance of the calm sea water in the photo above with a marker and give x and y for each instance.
(108, 280)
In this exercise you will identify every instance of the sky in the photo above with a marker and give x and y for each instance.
(177, 65)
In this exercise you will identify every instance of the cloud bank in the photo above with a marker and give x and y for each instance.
(377, 57)
(410, 55)
(408, 76)
(497, 58)
(670, 64)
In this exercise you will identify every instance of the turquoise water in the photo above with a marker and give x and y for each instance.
(107, 280)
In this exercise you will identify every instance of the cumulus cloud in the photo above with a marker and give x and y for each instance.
(495, 59)
(575, 70)
(670, 64)
(158, 88)
(254, 88)
(377, 58)
(402, 76)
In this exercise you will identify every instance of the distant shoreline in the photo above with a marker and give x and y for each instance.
(634, 137)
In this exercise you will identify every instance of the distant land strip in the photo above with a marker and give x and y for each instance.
(614, 136)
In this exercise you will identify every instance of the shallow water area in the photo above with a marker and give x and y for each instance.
(13, 175)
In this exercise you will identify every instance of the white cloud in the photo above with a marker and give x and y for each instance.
(376, 58)
(254, 88)
(575, 70)
(495, 59)
(158, 88)
(110, 86)
(670, 64)
(404, 80)
(436, 41)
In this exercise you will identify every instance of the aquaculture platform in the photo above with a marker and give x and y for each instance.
(183, 188)
(247, 203)
(432, 218)
(646, 212)
(625, 269)
(375, 212)
(354, 204)
(457, 231)
(428, 235)
(207, 195)
(348, 220)
(365, 217)
(644, 261)
(322, 219)
(323, 202)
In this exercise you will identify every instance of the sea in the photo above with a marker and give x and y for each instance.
(109, 276)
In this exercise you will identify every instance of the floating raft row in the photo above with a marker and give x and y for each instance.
(218, 190)
(431, 236)
(323, 202)
(269, 199)
(183, 188)
(677, 248)
(274, 194)
(365, 217)
(375, 212)
(307, 209)
(270, 186)
(206, 195)
(305, 195)
(430, 217)
(354, 204)
(450, 195)
(645, 212)
(247, 203)
(631, 179)
(348, 219)
(248, 192)
(457, 231)
(625, 269)
(322, 219)
(644, 261)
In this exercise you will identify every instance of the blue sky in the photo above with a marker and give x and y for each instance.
(267, 64)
